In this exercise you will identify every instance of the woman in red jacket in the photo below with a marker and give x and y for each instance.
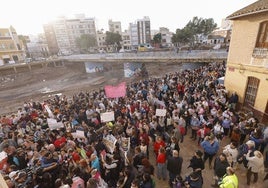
(159, 143)
(161, 164)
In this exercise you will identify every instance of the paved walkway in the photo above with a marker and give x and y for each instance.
(187, 149)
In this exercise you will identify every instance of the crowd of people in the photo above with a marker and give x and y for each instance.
(34, 154)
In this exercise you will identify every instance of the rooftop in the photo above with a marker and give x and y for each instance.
(254, 8)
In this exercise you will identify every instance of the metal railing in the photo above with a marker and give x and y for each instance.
(195, 54)
(260, 53)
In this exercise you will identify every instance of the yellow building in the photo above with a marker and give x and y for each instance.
(247, 64)
(10, 46)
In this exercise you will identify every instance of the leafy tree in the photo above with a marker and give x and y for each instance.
(86, 41)
(193, 28)
(209, 26)
(157, 38)
(113, 38)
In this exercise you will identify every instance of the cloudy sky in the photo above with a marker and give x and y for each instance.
(28, 16)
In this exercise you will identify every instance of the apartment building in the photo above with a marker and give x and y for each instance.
(101, 40)
(11, 48)
(66, 31)
(50, 35)
(126, 43)
(115, 27)
(166, 36)
(140, 32)
(144, 30)
(37, 47)
(133, 35)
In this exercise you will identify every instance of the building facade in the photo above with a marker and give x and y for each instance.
(166, 37)
(247, 64)
(133, 34)
(51, 39)
(101, 41)
(126, 44)
(37, 47)
(65, 32)
(115, 27)
(140, 32)
(144, 30)
(11, 48)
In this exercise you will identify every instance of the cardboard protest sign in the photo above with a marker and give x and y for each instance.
(107, 116)
(53, 124)
(161, 112)
(78, 134)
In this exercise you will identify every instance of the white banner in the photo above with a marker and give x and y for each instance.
(107, 116)
(161, 112)
(53, 124)
(50, 114)
(78, 134)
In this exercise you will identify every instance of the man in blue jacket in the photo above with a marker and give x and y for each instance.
(211, 147)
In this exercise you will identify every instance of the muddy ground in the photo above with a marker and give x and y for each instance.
(42, 83)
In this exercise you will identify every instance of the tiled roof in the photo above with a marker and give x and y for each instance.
(257, 7)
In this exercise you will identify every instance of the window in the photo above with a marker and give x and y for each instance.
(262, 40)
(251, 92)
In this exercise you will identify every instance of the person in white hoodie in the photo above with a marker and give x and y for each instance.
(255, 165)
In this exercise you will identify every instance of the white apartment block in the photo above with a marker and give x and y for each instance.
(115, 26)
(140, 32)
(62, 37)
(101, 37)
(144, 30)
(68, 30)
(166, 37)
(126, 44)
(133, 35)
(37, 47)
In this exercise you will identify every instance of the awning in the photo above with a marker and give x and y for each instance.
(5, 56)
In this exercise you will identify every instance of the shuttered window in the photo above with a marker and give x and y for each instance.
(251, 92)
(262, 40)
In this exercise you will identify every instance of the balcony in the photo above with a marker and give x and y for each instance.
(260, 53)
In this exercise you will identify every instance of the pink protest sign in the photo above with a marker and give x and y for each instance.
(115, 91)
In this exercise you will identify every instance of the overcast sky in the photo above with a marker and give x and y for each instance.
(28, 16)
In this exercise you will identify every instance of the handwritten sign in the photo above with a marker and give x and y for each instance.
(53, 124)
(107, 116)
(161, 112)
